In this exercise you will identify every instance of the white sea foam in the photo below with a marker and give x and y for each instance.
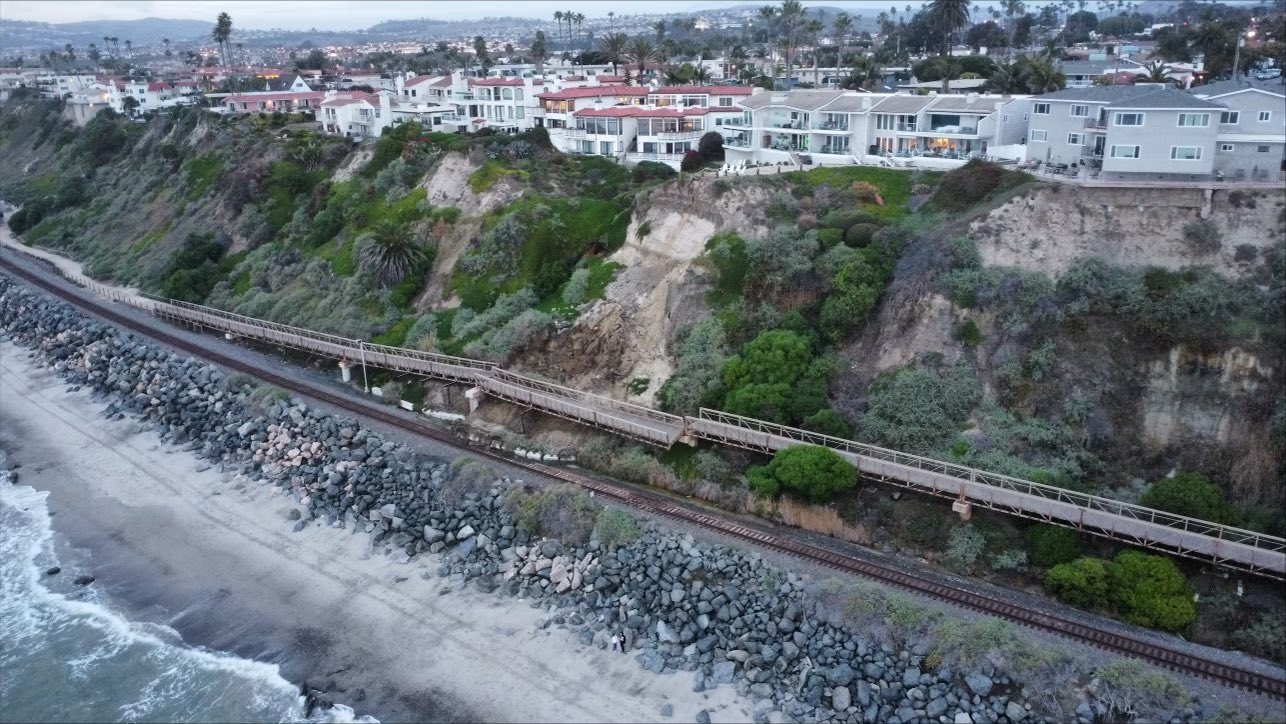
(160, 676)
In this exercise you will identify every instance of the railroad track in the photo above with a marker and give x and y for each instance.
(1134, 647)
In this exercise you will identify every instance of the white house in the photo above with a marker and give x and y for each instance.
(356, 114)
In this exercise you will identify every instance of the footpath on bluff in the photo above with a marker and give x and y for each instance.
(724, 614)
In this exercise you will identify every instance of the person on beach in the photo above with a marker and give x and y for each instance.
(616, 642)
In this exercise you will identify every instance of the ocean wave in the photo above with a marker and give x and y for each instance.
(118, 669)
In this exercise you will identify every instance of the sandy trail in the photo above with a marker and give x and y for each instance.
(218, 552)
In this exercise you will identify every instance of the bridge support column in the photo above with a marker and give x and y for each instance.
(346, 370)
(963, 508)
(474, 395)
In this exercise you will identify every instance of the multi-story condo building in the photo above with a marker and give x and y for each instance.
(1154, 132)
(839, 127)
(1251, 134)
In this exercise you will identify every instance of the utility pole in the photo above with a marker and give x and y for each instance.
(1236, 56)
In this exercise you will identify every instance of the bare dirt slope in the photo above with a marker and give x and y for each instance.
(660, 292)
(1047, 230)
(448, 185)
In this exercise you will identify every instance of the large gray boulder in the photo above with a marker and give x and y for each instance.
(841, 698)
(980, 684)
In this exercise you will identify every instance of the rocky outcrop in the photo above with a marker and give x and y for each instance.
(1050, 228)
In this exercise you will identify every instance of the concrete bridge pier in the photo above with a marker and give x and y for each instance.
(474, 395)
(962, 507)
(346, 370)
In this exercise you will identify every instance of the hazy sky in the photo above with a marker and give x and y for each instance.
(350, 14)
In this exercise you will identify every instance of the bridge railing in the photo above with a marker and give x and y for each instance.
(1128, 510)
(196, 311)
(555, 390)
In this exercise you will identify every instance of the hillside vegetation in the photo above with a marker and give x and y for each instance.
(865, 303)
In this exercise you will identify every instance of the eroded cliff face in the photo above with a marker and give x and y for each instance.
(1050, 228)
(448, 185)
(661, 290)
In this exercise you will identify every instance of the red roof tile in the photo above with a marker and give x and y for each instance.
(594, 91)
(714, 90)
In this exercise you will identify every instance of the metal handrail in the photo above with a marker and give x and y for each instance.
(1027, 487)
(568, 393)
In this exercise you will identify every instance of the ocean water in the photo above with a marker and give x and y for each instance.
(65, 656)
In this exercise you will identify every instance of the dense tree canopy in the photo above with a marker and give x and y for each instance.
(814, 473)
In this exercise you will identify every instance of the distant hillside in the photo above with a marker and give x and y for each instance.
(17, 36)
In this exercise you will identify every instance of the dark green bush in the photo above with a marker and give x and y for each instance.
(814, 473)
(193, 270)
(973, 183)
(710, 147)
(860, 235)
(1193, 495)
(1052, 545)
(1150, 591)
(691, 161)
(968, 334)
(844, 218)
(827, 422)
(1082, 582)
(830, 237)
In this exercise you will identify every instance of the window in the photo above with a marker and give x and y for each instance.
(883, 122)
(1081, 111)
(1227, 148)
(1261, 149)
(725, 102)
(1265, 116)
(1037, 135)
(1194, 120)
(1004, 118)
(1125, 152)
(507, 93)
(1040, 109)
(1076, 139)
(1129, 119)
(517, 94)
(1185, 153)
(1229, 118)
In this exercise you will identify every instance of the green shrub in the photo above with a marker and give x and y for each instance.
(1192, 495)
(1082, 582)
(776, 378)
(814, 473)
(193, 270)
(1051, 545)
(652, 171)
(1202, 236)
(202, 172)
(564, 512)
(727, 252)
(968, 334)
(615, 527)
(1150, 591)
(964, 546)
(1264, 637)
(844, 218)
(698, 369)
(828, 422)
(828, 238)
(972, 184)
(918, 409)
(859, 235)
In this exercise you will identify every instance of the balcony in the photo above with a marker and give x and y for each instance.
(1096, 124)
(672, 135)
(736, 143)
(953, 131)
(906, 127)
(835, 150)
(574, 132)
(832, 127)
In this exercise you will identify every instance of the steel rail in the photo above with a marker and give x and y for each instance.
(1118, 642)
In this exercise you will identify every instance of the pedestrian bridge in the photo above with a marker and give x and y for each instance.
(968, 487)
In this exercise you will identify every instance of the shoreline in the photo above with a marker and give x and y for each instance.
(172, 540)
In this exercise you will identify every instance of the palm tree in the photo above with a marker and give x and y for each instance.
(1042, 76)
(946, 17)
(1012, 8)
(392, 251)
(791, 15)
(129, 46)
(558, 18)
(767, 14)
(221, 33)
(640, 51)
(93, 54)
(701, 75)
(866, 74)
(166, 41)
(613, 46)
(580, 19)
(842, 25)
(480, 50)
(1158, 72)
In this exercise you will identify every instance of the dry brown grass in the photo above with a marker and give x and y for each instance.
(822, 519)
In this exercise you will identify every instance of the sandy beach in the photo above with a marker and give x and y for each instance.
(177, 542)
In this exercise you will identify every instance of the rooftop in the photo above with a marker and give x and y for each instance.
(594, 91)
(1130, 96)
